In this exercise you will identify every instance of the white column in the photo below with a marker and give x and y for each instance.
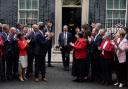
(58, 19)
(85, 11)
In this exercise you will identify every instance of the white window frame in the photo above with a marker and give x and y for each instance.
(114, 9)
(26, 10)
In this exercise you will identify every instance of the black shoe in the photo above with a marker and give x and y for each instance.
(50, 65)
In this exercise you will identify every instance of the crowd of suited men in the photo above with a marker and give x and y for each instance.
(19, 46)
(96, 53)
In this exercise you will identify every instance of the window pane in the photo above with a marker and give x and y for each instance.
(71, 2)
(35, 14)
(28, 4)
(109, 14)
(22, 14)
(22, 21)
(122, 22)
(29, 15)
(22, 4)
(110, 4)
(109, 23)
(34, 21)
(123, 4)
(34, 4)
(116, 14)
(122, 14)
(116, 4)
(115, 22)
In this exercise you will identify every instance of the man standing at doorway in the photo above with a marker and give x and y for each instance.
(64, 40)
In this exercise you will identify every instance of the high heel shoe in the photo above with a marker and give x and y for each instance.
(21, 79)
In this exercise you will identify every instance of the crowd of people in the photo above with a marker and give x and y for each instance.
(97, 56)
(20, 46)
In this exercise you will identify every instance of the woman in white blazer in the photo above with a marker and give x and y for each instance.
(121, 45)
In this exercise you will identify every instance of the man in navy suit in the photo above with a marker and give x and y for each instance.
(40, 52)
(31, 49)
(6, 60)
(95, 61)
(64, 40)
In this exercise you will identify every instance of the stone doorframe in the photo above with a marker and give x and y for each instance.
(58, 16)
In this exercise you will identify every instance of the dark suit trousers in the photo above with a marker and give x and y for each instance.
(30, 64)
(7, 66)
(106, 67)
(49, 55)
(96, 67)
(40, 66)
(65, 51)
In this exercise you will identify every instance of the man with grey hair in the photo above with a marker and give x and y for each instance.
(95, 60)
(64, 40)
(31, 49)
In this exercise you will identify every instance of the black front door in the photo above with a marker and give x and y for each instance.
(71, 16)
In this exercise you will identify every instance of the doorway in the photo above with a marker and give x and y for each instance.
(71, 16)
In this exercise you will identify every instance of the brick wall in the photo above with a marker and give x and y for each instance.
(97, 10)
(8, 11)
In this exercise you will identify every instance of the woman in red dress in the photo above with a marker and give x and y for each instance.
(22, 44)
(79, 55)
(107, 52)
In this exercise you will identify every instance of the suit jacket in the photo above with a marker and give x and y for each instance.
(32, 37)
(40, 43)
(6, 48)
(80, 49)
(107, 50)
(61, 39)
(50, 40)
(95, 44)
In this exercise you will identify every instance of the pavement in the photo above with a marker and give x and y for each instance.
(57, 58)
(57, 79)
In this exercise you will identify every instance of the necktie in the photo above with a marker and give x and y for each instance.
(65, 38)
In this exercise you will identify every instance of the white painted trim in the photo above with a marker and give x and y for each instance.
(58, 19)
(58, 15)
(85, 11)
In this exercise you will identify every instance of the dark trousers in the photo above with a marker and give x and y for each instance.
(40, 66)
(49, 55)
(96, 68)
(0, 68)
(106, 70)
(7, 66)
(127, 72)
(30, 64)
(65, 51)
(121, 72)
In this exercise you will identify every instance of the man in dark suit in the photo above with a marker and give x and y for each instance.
(31, 49)
(40, 52)
(95, 59)
(14, 52)
(64, 41)
(49, 30)
(7, 60)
